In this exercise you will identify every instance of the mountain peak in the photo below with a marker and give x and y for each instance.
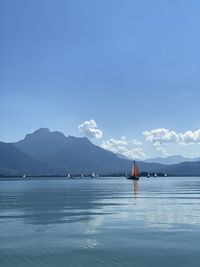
(40, 130)
(45, 133)
(44, 143)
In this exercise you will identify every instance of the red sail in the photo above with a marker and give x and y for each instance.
(135, 170)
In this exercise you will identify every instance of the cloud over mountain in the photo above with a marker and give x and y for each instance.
(190, 137)
(161, 136)
(166, 136)
(136, 142)
(123, 146)
(161, 151)
(90, 129)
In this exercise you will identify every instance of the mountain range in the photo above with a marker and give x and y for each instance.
(175, 159)
(49, 153)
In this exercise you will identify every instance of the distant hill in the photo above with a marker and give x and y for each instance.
(175, 159)
(15, 162)
(46, 152)
(183, 168)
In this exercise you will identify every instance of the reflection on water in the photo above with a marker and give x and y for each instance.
(135, 188)
(105, 222)
(37, 204)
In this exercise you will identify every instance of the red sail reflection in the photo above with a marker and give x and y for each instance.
(135, 188)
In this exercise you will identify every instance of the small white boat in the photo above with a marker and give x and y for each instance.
(82, 176)
(97, 176)
(148, 175)
(24, 176)
(155, 175)
(93, 175)
(165, 175)
(68, 175)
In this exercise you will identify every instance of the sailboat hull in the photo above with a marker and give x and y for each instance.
(133, 178)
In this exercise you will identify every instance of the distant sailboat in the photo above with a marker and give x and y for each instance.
(165, 175)
(135, 172)
(24, 176)
(148, 175)
(97, 176)
(93, 175)
(155, 175)
(68, 175)
(81, 175)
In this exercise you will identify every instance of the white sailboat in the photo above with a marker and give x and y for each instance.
(155, 175)
(24, 176)
(165, 175)
(148, 175)
(93, 175)
(68, 175)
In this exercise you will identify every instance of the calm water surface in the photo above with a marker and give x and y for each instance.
(105, 222)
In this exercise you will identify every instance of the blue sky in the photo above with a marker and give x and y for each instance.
(131, 66)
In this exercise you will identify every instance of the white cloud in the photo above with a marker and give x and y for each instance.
(190, 137)
(137, 153)
(161, 151)
(90, 129)
(114, 143)
(156, 144)
(161, 136)
(122, 146)
(165, 136)
(136, 142)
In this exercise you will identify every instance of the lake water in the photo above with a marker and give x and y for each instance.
(106, 222)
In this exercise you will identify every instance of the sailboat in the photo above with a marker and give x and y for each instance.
(148, 175)
(165, 175)
(93, 175)
(155, 175)
(135, 172)
(24, 176)
(68, 175)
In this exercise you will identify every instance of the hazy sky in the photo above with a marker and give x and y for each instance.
(131, 66)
